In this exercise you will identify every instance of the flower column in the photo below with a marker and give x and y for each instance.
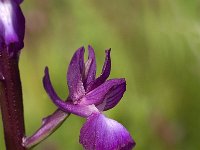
(12, 26)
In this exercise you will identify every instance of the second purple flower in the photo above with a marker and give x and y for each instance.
(89, 97)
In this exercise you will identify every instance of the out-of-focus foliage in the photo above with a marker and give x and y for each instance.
(155, 46)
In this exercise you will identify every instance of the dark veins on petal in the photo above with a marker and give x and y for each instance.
(113, 97)
(106, 90)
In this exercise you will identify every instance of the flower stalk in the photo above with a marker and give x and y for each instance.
(11, 100)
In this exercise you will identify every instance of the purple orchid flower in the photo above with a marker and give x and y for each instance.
(12, 26)
(89, 97)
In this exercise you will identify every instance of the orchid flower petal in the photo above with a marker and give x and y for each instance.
(104, 75)
(90, 67)
(102, 133)
(74, 75)
(113, 97)
(97, 96)
(48, 86)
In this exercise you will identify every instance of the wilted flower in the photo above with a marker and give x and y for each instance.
(89, 97)
(12, 25)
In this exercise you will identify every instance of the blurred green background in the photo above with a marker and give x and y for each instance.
(155, 46)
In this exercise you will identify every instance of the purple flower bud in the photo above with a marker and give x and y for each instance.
(12, 25)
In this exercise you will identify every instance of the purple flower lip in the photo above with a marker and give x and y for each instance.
(102, 133)
(88, 97)
(12, 24)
